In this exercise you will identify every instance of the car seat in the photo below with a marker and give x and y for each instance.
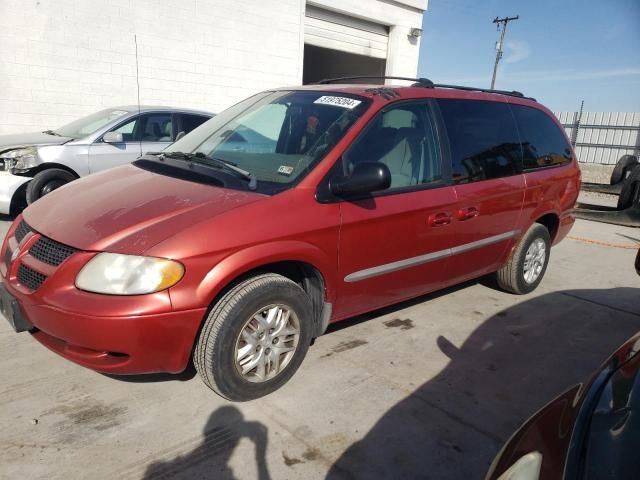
(405, 158)
(167, 132)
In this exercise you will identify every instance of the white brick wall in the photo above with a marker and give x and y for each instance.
(61, 59)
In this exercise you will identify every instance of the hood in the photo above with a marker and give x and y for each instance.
(128, 210)
(30, 139)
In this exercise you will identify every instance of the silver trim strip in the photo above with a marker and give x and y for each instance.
(426, 258)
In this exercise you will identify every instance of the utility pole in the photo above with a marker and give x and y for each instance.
(500, 21)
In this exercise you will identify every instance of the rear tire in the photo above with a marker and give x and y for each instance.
(630, 190)
(623, 166)
(523, 272)
(46, 182)
(231, 335)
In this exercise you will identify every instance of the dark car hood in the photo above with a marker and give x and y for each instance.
(128, 210)
(27, 139)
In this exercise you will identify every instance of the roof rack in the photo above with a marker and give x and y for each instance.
(511, 93)
(420, 82)
(426, 83)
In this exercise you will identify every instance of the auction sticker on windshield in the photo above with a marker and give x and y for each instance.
(344, 102)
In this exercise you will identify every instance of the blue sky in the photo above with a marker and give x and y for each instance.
(560, 52)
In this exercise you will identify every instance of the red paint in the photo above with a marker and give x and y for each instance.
(219, 234)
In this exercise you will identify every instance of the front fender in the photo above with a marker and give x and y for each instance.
(243, 261)
(9, 184)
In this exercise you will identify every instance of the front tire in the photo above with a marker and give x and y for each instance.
(255, 337)
(47, 181)
(523, 272)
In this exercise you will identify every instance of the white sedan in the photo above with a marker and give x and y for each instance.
(34, 164)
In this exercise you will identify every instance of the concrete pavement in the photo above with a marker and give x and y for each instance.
(428, 389)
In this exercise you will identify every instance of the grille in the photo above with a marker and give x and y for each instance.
(51, 252)
(22, 231)
(7, 256)
(30, 278)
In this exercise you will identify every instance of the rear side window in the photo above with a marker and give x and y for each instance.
(483, 140)
(543, 143)
(156, 127)
(191, 122)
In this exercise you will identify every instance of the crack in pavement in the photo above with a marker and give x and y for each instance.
(594, 302)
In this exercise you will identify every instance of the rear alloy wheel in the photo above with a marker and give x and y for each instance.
(523, 272)
(46, 182)
(255, 337)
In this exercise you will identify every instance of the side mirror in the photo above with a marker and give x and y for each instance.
(367, 177)
(112, 137)
(180, 135)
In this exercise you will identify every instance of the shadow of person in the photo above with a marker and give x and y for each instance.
(210, 460)
(514, 363)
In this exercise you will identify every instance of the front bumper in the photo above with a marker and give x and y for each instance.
(123, 344)
(111, 334)
(119, 345)
(9, 184)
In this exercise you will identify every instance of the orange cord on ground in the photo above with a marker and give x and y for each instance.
(604, 244)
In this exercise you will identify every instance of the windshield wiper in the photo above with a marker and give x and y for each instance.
(203, 159)
(51, 132)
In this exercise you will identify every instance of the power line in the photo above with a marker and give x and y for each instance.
(501, 22)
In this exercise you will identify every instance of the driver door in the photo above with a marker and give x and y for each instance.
(394, 243)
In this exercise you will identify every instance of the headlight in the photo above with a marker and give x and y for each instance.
(526, 468)
(20, 159)
(116, 274)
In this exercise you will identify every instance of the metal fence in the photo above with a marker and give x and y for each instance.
(602, 137)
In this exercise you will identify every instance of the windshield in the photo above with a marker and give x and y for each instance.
(276, 136)
(87, 125)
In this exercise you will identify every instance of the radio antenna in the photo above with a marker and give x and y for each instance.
(135, 40)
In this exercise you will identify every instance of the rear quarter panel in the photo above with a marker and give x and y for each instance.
(550, 190)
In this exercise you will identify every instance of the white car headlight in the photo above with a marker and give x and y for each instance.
(20, 159)
(116, 274)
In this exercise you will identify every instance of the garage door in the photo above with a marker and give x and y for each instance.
(340, 32)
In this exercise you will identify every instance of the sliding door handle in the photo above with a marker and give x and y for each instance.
(440, 219)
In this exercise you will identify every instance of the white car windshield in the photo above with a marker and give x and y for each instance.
(88, 125)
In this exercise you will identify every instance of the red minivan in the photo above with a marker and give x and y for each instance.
(293, 209)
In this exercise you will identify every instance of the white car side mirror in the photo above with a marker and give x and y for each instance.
(112, 137)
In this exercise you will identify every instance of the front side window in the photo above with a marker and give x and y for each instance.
(277, 136)
(149, 127)
(403, 137)
(483, 140)
(543, 143)
(127, 130)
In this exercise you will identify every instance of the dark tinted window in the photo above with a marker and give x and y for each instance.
(483, 140)
(404, 138)
(189, 122)
(543, 143)
(155, 127)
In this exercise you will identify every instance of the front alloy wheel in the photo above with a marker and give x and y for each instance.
(267, 343)
(255, 337)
